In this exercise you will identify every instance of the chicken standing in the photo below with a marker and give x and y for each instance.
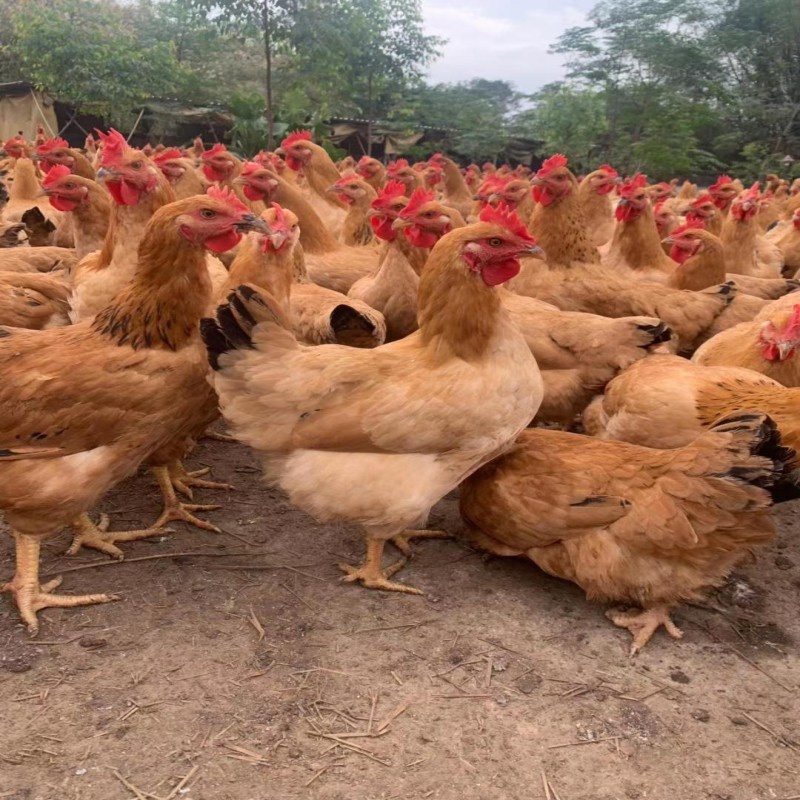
(377, 437)
(83, 406)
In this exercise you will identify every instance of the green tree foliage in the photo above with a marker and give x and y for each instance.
(87, 52)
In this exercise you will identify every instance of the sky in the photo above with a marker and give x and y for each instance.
(501, 39)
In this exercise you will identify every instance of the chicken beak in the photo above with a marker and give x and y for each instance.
(250, 222)
(669, 241)
(278, 239)
(401, 224)
(537, 181)
(494, 198)
(784, 350)
(279, 151)
(533, 250)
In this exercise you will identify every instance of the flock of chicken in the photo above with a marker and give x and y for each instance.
(382, 335)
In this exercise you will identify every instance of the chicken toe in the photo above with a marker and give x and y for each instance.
(98, 537)
(174, 510)
(183, 481)
(31, 596)
(370, 573)
(401, 540)
(643, 624)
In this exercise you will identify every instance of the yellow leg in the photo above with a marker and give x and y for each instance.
(401, 540)
(175, 510)
(98, 537)
(370, 573)
(183, 480)
(30, 595)
(643, 624)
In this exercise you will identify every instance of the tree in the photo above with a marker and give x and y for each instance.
(89, 54)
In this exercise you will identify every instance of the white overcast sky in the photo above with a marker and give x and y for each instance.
(501, 39)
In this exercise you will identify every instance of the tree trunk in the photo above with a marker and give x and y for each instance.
(369, 115)
(265, 23)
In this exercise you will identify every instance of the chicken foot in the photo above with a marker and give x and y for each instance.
(174, 509)
(183, 480)
(643, 624)
(32, 596)
(370, 573)
(98, 537)
(401, 540)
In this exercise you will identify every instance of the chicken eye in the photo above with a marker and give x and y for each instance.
(495, 241)
(207, 213)
(136, 164)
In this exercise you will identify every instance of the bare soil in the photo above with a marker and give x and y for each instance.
(246, 670)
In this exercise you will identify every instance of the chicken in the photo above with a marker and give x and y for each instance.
(703, 213)
(303, 155)
(318, 315)
(180, 172)
(598, 210)
(701, 264)
(635, 244)
(358, 195)
(454, 191)
(83, 406)
(377, 437)
(767, 345)
(13, 234)
(788, 242)
(372, 171)
(34, 300)
(573, 279)
(401, 171)
(57, 152)
(88, 203)
(741, 239)
(394, 287)
(26, 193)
(38, 259)
(577, 353)
(514, 193)
(631, 524)
(724, 191)
(329, 262)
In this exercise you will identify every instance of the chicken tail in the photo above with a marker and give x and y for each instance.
(766, 462)
(658, 334)
(232, 328)
(350, 327)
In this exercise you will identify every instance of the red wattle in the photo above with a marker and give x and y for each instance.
(123, 193)
(679, 254)
(626, 213)
(421, 238)
(383, 228)
(251, 193)
(223, 242)
(62, 204)
(499, 272)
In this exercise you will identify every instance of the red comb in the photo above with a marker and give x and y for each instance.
(753, 193)
(558, 160)
(703, 198)
(280, 217)
(55, 174)
(50, 145)
(683, 228)
(508, 218)
(114, 145)
(215, 150)
(227, 197)
(392, 190)
(721, 181)
(249, 167)
(638, 181)
(395, 166)
(418, 199)
(296, 136)
(608, 169)
(167, 155)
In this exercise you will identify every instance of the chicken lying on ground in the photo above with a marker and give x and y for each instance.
(377, 437)
(631, 524)
(768, 344)
(32, 300)
(669, 401)
(83, 406)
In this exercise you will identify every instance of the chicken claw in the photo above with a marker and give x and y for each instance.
(183, 480)
(97, 536)
(643, 624)
(370, 573)
(175, 510)
(31, 596)
(401, 540)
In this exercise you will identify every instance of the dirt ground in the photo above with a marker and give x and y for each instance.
(245, 670)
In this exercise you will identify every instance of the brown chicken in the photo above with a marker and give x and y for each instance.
(180, 171)
(358, 195)
(454, 190)
(594, 192)
(372, 171)
(88, 203)
(377, 437)
(768, 344)
(83, 406)
(631, 524)
(57, 152)
(400, 170)
(33, 300)
(742, 241)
